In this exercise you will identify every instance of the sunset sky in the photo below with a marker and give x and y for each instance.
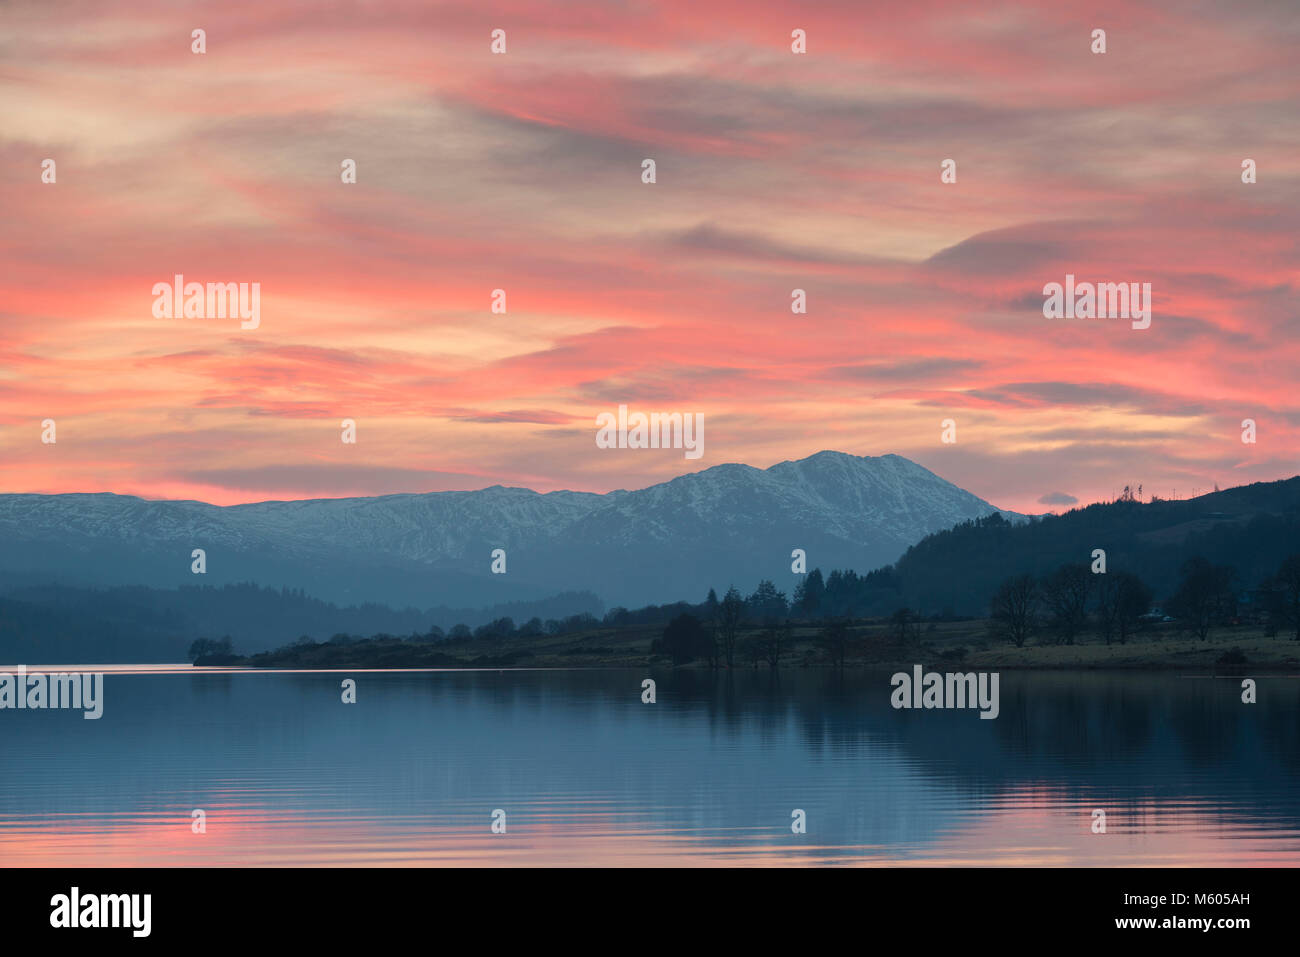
(522, 171)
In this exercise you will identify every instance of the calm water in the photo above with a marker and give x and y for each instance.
(587, 774)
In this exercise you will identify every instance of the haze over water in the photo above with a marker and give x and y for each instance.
(709, 774)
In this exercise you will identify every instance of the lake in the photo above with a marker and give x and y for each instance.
(709, 774)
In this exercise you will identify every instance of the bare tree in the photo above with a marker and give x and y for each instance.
(1066, 593)
(1108, 606)
(731, 614)
(1133, 600)
(834, 639)
(1204, 595)
(1285, 593)
(902, 624)
(775, 640)
(753, 649)
(1015, 608)
(1122, 598)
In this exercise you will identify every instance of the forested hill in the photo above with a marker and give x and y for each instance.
(1251, 528)
(60, 623)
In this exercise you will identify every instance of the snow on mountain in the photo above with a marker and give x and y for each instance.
(726, 524)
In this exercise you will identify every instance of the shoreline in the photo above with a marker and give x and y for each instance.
(1235, 651)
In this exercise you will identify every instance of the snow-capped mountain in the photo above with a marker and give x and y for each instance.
(727, 524)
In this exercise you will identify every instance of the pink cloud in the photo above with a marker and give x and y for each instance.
(522, 172)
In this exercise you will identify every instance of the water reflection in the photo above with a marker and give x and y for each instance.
(587, 774)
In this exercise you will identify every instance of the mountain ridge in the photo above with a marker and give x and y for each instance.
(729, 522)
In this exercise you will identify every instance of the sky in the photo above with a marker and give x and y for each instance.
(522, 171)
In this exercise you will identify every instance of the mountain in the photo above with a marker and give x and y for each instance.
(726, 524)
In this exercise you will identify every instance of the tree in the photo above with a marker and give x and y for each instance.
(903, 623)
(1014, 609)
(499, 628)
(752, 649)
(1133, 601)
(1122, 598)
(1204, 595)
(1066, 594)
(207, 647)
(767, 604)
(731, 614)
(685, 639)
(810, 594)
(712, 611)
(583, 621)
(1284, 592)
(1108, 606)
(774, 640)
(834, 639)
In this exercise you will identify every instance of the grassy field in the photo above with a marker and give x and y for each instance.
(937, 644)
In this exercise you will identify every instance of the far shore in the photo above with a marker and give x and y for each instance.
(939, 645)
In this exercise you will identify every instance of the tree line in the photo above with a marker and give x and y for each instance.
(1071, 600)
